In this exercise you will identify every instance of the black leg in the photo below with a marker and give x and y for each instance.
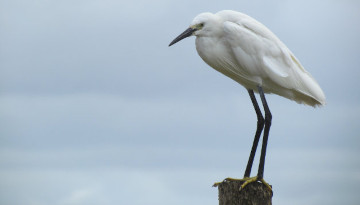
(259, 128)
(268, 118)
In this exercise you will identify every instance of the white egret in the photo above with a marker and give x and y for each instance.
(246, 51)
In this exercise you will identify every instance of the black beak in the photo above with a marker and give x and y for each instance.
(185, 34)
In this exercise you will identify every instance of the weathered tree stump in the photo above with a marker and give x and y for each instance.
(253, 194)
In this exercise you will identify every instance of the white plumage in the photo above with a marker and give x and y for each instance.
(249, 53)
(245, 50)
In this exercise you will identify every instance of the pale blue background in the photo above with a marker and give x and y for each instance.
(95, 108)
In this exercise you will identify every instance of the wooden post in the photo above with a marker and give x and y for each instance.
(253, 194)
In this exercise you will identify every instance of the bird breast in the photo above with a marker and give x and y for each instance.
(216, 53)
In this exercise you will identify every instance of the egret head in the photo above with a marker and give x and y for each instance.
(204, 24)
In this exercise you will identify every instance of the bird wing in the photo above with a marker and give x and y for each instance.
(261, 53)
(257, 50)
(267, 61)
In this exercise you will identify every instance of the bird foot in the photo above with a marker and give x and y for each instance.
(255, 179)
(246, 181)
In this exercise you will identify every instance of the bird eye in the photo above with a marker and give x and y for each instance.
(202, 25)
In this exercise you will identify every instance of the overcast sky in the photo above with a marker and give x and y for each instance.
(95, 108)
